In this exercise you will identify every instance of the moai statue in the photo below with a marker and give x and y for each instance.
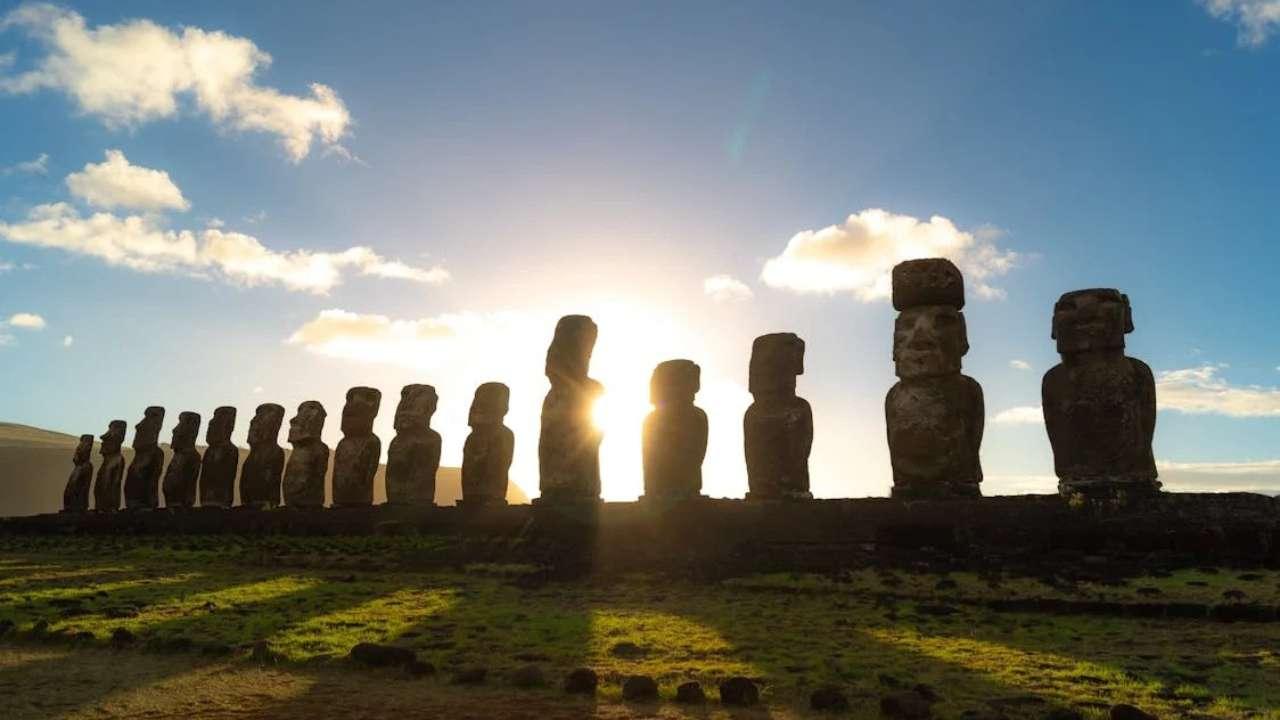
(75, 498)
(778, 426)
(183, 473)
(221, 460)
(569, 444)
(142, 479)
(260, 474)
(356, 460)
(486, 455)
(414, 454)
(1099, 405)
(106, 488)
(309, 462)
(933, 414)
(674, 437)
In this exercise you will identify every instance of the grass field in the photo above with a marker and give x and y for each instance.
(237, 627)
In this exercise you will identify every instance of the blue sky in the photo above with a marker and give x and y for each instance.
(210, 228)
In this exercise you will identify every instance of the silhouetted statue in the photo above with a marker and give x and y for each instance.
(934, 414)
(1099, 406)
(778, 426)
(183, 473)
(414, 454)
(569, 444)
(221, 460)
(142, 479)
(674, 437)
(355, 462)
(260, 474)
(106, 488)
(75, 498)
(309, 462)
(486, 455)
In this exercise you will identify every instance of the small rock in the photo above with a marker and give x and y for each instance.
(937, 610)
(418, 668)
(6, 627)
(905, 705)
(626, 650)
(928, 693)
(1063, 714)
(639, 688)
(122, 636)
(889, 680)
(41, 627)
(83, 636)
(739, 691)
(375, 655)
(1233, 594)
(1250, 577)
(531, 657)
(582, 681)
(470, 676)
(691, 693)
(121, 612)
(1129, 712)
(528, 676)
(828, 698)
(1149, 591)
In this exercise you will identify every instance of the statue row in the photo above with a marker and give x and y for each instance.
(1099, 409)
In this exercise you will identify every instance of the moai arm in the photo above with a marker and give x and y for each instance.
(372, 455)
(1146, 402)
(977, 425)
(1052, 421)
(700, 444)
(805, 434)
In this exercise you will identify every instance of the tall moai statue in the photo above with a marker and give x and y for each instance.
(309, 462)
(674, 435)
(183, 473)
(221, 461)
(75, 497)
(486, 455)
(778, 426)
(355, 462)
(569, 443)
(142, 479)
(933, 414)
(414, 454)
(262, 469)
(1099, 405)
(106, 487)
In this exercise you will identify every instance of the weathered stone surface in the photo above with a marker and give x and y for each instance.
(487, 453)
(1099, 406)
(308, 464)
(1122, 711)
(528, 676)
(581, 681)
(829, 699)
(778, 426)
(639, 688)
(75, 496)
(106, 487)
(142, 479)
(355, 462)
(934, 415)
(375, 655)
(674, 435)
(414, 454)
(691, 693)
(183, 473)
(569, 443)
(263, 469)
(739, 692)
(221, 460)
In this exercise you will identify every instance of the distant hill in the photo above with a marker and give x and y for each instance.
(34, 464)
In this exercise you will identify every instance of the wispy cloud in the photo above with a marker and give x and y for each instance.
(1019, 364)
(1202, 390)
(27, 321)
(68, 341)
(117, 183)
(724, 288)
(1021, 415)
(1255, 20)
(38, 166)
(1241, 476)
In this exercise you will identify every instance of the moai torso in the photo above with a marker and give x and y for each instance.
(75, 497)
(221, 461)
(487, 452)
(262, 470)
(674, 435)
(777, 428)
(142, 479)
(355, 462)
(569, 442)
(414, 454)
(106, 487)
(303, 485)
(183, 473)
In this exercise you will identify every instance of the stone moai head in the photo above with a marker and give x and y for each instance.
(146, 434)
(1094, 319)
(490, 404)
(186, 431)
(113, 438)
(84, 450)
(417, 405)
(776, 360)
(569, 356)
(360, 410)
(307, 425)
(264, 427)
(220, 426)
(929, 334)
(675, 382)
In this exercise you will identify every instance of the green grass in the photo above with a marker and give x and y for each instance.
(311, 599)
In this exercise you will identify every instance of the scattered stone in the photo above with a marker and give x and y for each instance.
(40, 627)
(639, 688)
(1233, 594)
(418, 668)
(927, 692)
(355, 461)
(581, 681)
(1063, 714)
(532, 657)
(1129, 712)
(739, 692)
(937, 610)
(84, 636)
(6, 627)
(375, 655)
(414, 454)
(488, 449)
(1149, 591)
(121, 611)
(691, 693)
(528, 676)
(778, 425)
(122, 636)
(1251, 577)
(304, 473)
(908, 705)
(829, 699)
(627, 650)
(470, 676)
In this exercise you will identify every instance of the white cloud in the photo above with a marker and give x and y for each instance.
(1019, 364)
(1247, 476)
(68, 341)
(257, 390)
(724, 288)
(377, 338)
(137, 71)
(1255, 20)
(27, 321)
(116, 182)
(142, 243)
(38, 166)
(6, 266)
(1201, 390)
(1021, 415)
(858, 255)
